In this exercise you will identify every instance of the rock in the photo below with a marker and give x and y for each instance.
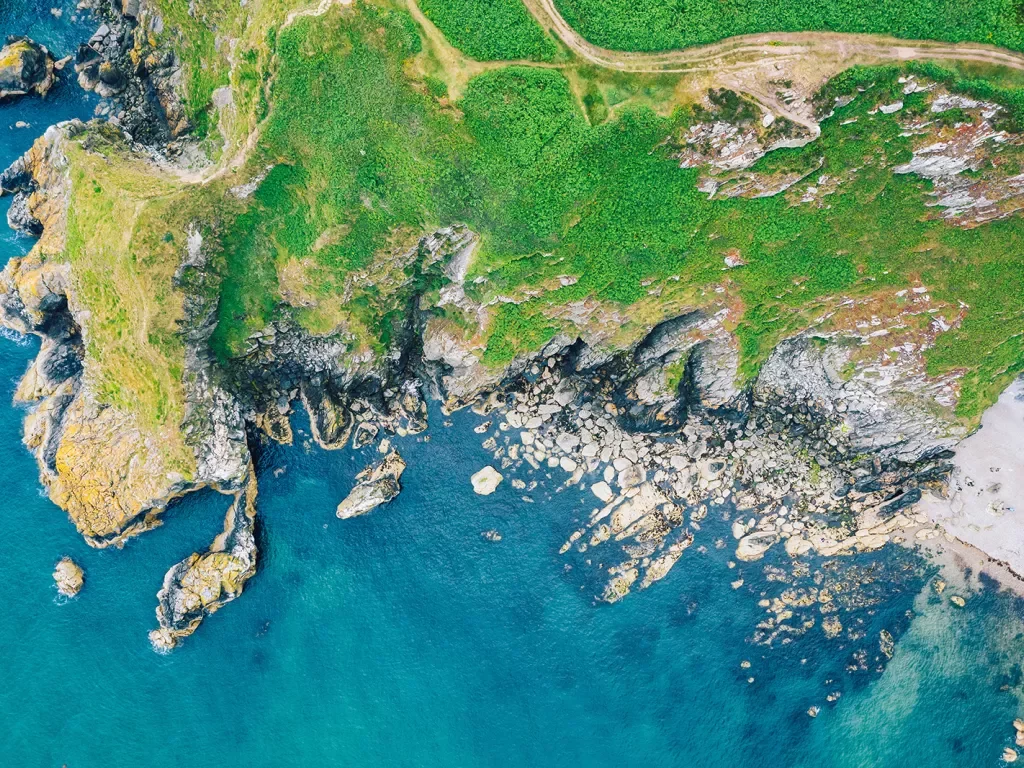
(202, 584)
(567, 441)
(603, 491)
(491, 535)
(25, 67)
(886, 644)
(797, 546)
(377, 484)
(69, 577)
(1009, 755)
(486, 480)
(958, 601)
(753, 546)
(894, 417)
(813, 711)
(631, 476)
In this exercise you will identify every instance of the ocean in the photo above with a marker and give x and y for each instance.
(405, 638)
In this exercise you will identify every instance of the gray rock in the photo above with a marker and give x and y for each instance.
(378, 484)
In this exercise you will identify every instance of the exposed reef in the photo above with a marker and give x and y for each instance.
(377, 484)
(203, 583)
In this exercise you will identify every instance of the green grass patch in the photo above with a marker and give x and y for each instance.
(123, 253)
(658, 25)
(365, 160)
(490, 30)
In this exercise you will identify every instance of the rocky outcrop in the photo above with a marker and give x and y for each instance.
(96, 461)
(662, 418)
(25, 67)
(893, 417)
(202, 584)
(68, 577)
(486, 481)
(122, 61)
(376, 485)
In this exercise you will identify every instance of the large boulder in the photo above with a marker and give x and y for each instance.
(68, 577)
(378, 484)
(25, 67)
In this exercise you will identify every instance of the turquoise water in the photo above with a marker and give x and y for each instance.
(404, 639)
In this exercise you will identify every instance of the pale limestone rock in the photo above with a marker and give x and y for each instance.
(486, 481)
(377, 484)
(69, 577)
(603, 491)
(754, 545)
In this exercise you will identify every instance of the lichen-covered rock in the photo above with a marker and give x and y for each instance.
(203, 583)
(69, 577)
(378, 484)
(25, 67)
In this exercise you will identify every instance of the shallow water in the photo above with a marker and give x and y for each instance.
(403, 638)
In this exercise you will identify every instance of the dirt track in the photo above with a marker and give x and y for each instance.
(840, 47)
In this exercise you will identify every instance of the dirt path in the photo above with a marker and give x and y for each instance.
(748, 63)
(840, 47)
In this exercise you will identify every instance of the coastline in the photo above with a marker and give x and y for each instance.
(985, 499)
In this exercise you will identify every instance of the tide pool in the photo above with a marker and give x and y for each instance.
(404, 638)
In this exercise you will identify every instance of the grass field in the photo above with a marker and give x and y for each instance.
(490, 30)
(561, 176)
(364, 157)
(123, 253)
(656, 25)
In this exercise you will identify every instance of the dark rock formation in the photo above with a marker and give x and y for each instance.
(25, 67)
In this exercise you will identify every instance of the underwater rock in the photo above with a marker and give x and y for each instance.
(378, 484)
(69, 577)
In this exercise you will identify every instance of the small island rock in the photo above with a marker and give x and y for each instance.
(486, 480)
(378, 484)
(25, 67)
(69, 577)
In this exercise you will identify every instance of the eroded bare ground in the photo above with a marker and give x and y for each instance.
(750, 63)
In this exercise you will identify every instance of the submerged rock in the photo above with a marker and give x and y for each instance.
(378, 484)
(69, 577)
(486, 480)
(25, 67)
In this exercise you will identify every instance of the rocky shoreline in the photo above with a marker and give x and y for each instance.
(824, 453)
(662, 423)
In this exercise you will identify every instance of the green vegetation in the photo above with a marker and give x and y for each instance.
(365, 160)
(657, 25)
(121, 246)
(570, 182)
(490, 30)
